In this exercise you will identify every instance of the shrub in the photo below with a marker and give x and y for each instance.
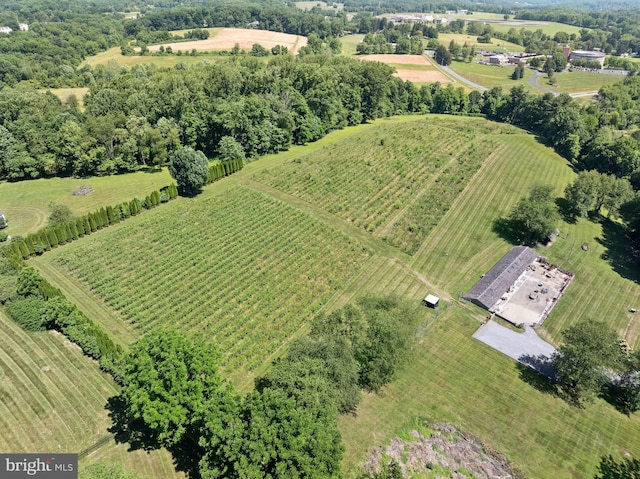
(7, 288)
(28, 313)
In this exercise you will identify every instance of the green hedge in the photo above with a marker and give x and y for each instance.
(50, 237)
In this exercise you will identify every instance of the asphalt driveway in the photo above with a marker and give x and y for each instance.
(525, 347)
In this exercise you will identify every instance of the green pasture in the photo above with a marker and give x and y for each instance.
(322, 5)
(579, 82)
(490, 76)
(349, 43)
(26, 203)
(255, 255)
(496, 44)
(454, 378)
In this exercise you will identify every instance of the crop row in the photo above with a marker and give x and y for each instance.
(243, 268)
(424, 214)
(368, 186)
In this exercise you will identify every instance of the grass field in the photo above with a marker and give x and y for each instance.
(227, 38)
(26, 203)
(454, 378)
(65, 93)
(52, 396)
(219, 39)
(578, 82)
(490, 76)
(296, 232)
(350, 42)
(471, 40)
(323, 5)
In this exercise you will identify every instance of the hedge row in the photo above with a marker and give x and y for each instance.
(51, 236)
(219, 169)
(41, 306)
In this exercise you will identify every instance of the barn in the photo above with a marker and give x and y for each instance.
(493, 285)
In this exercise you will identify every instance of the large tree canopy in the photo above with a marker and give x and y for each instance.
(591, 349)
(535, 217)
(190, 169)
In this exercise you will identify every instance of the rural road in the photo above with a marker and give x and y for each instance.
(455, 75)
(534, 84)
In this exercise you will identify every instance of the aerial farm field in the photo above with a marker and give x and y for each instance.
(252, 258)
(414, 68)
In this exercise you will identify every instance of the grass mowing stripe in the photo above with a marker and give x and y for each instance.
(87, 302)
(492, 402)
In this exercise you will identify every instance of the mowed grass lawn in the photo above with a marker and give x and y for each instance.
(454, 378)
(490, 76)
(26, 203)
(472, 40)
(579, 82)
(53, 397)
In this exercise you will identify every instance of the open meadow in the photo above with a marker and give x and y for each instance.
(220, 39)
(405, 205)
(496, 45)
(490, 76)
(26, 203)
(579, 82)
(227, 38)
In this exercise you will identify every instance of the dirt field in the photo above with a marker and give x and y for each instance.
(421, 71)
(228, 37)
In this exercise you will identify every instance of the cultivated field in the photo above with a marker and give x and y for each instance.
(113, 56)
(26, 204)
(253, 256)
(227, 38)
(398, 189)
(249, 277)
(414, 68)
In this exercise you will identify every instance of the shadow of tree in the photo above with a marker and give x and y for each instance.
(619, 252)
(566, 211)
(186, 454)
(537, 380)
(508, 230)
(616, 396)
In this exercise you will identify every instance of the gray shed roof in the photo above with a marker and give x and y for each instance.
(486, 292)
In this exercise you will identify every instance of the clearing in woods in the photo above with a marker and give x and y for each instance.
(314, 227)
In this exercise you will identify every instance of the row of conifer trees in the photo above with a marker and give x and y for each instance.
(51, 236)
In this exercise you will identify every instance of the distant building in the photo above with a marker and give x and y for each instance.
(412, 19)
(23, 27)
(6, 30)
(587, 55)
(498, 60)
(254, 24)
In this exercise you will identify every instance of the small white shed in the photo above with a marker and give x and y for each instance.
(431, 301)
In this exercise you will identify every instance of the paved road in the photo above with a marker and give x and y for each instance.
(462, 79)
(532, 82)
(525, 347)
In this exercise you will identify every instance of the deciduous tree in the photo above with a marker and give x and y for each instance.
(190, 169)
